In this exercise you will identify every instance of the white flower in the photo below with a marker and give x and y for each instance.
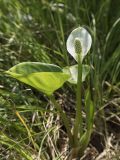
(85, 40)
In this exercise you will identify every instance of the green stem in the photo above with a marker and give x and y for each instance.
(64, 119)
(78, 118)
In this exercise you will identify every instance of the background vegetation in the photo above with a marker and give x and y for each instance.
(36, 30)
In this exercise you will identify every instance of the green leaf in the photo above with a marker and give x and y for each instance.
(113, 40)
(89, 108)
(73, 72)
(44, 77)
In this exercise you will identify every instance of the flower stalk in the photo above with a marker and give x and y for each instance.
(78, 119)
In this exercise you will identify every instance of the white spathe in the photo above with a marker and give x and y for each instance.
(85, 39)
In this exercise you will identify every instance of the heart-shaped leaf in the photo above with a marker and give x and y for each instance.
(73, 72)
(44, 77)
(85, 39)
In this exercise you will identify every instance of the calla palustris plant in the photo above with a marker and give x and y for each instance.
(47, 78)
(78, 45)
